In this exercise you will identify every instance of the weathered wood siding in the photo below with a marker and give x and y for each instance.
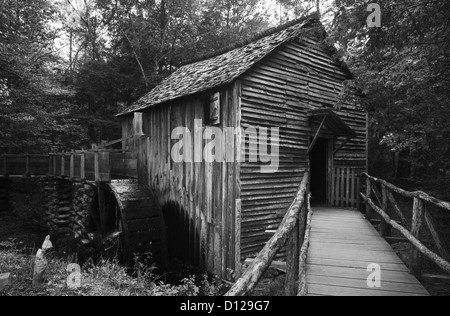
(278, 92)
(200, 199)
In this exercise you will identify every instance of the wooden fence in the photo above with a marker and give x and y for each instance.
(422, 216)
(345, 187)
(295, 230)
(93, 165)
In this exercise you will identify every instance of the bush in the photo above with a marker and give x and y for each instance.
(103, 278)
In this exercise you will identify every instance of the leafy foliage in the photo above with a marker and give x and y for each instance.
(34, 103)
(403, 69)
(112, 52)
(67, 67)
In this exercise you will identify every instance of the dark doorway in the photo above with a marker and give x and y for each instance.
(318, 163)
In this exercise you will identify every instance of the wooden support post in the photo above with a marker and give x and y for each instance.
(237, 234)
(102, 209)
(440, 242)
(346, 141)
(96, 167)
(417, 224)
(353, 203)
(292, 262)
(385, 229)
(72, 166)
(55, 165)
(316, 137)
(82, 166)
(50, 164)
(303, 286)
(377, 194)
(368, 195)
(62, 164)
(358, 198)
(397, 208)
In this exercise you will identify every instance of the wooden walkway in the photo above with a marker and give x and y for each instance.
(343, 245)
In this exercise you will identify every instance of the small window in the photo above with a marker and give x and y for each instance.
(211, 107)
(137, 124)
(214, 114)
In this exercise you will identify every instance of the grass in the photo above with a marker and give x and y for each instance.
(21, 235)
(104, 278)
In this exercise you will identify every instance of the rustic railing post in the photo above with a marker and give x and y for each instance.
(438, 239)
(442, 263)
(385, 229)
(417, 224)
(368, 195)
(292, 262)
(248, 281)
(303, 286)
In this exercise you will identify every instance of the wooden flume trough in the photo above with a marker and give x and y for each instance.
(99, 165)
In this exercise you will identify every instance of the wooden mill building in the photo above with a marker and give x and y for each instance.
(218, 213)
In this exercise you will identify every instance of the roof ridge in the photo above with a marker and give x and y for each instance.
(214, 71)
(242, 43)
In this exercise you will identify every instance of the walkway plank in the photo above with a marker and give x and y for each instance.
(343, 244)
(358, 264)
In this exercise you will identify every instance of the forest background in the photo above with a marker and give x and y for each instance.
(68, 66)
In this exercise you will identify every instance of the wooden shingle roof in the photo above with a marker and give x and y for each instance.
(221, 69)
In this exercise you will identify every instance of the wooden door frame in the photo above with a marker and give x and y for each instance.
(330, 171)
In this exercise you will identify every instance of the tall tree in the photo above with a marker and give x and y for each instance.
(30, 117)
(404, 70)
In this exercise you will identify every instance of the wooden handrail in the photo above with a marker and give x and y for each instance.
(92, 165)
(414, 241)
(421, 216)
(252, 275)
(303, 286)
(417, 194)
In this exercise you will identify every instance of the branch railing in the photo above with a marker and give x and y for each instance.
(295, 231)
(421, 216)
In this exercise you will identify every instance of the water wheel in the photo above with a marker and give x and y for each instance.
(130, 210)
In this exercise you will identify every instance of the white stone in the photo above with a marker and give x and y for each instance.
(5, 280)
